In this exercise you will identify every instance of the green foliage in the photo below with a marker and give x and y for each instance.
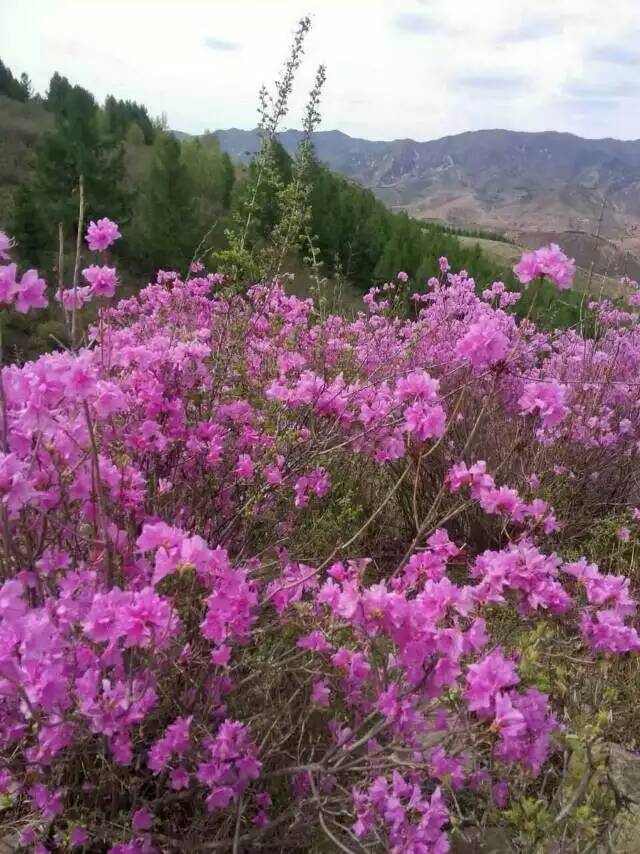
(18, 90)
(74, 147)
(368, 242)
(212, 177)
(553, 309)
(30, 226)
(121, 115)
(59, 89)
(164, 231)
(135, 135)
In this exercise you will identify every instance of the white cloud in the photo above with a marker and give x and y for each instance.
(403, 68)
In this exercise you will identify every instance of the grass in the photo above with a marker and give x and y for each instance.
(506, 253)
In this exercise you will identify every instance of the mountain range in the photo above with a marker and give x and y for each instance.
(529, 186)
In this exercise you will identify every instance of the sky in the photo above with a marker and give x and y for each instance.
(395, 68)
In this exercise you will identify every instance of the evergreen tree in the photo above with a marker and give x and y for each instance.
(18, 90)
(120, 115)
(210, 174)
(164, 234)
(33, 231)
(26, 86)
(59, 88)
(75, 147)
(228, 181)
(135, 136)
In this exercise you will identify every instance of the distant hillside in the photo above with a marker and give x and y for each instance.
(528, 185)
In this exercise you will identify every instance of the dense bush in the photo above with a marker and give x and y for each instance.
(276, 579)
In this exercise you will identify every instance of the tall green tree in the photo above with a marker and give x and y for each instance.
(57, 93)
(26, 86)
(34, 232)
(76, 147)
(120, 115)
(211, 174)
(18, 90)
(164, 232)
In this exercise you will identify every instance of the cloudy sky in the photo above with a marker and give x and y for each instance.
(396, 68)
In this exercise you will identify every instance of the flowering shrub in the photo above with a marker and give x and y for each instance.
(188, 662)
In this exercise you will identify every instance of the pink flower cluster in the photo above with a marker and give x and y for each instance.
(168, 619)
(24, 293)
(102, 280)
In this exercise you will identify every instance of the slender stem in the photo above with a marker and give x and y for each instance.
(60, 271)
(76, 268)
(100, 497)
(4, 443)
(3, 404)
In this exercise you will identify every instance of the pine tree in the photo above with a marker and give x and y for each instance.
(75, 147)
(228, 180)
(164, 234)
(26, 86)
(59, 89)
(135, 135)
(18, 90)
(32, 229)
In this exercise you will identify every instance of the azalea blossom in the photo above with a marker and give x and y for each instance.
(101, 234)
(548, 262)
(6, 243)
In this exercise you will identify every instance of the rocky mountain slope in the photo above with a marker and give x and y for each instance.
(528, 185)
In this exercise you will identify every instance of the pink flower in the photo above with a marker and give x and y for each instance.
(320, 693)
(546, 397)
(8, 283)
(486, 677)
(550, 262)
(424, 421)
(500, 794)
(402, 276)
(443, 264)
(142, 820)
(69, 298)
(221, 656)
(245, 467)
(417, 384)
(102, 234)
(484, 344)
(103, 280)
(314, 641)
(78, 837)
(49, 803)
(6, 243)
(31, 292)
(624, 535)
(12, 605)
(179, 778)
(175, 741)
(219, 797)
